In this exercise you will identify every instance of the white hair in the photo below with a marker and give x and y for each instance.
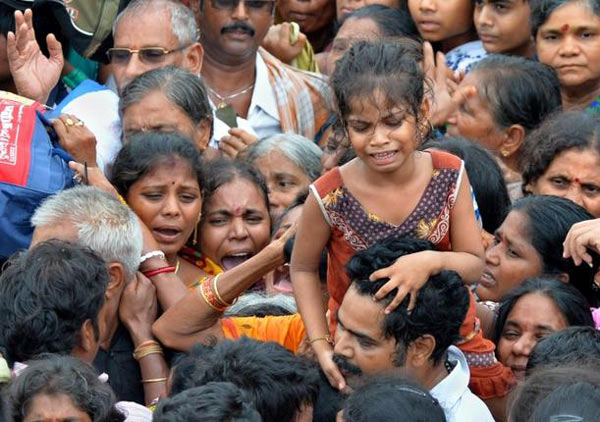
(104, 225)
(250, 303)
(183, 21)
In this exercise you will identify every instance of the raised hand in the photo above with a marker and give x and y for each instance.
(34, 74)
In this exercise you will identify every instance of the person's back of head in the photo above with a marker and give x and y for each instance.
(573, 345)
(280, 384)
(214, 401)
(103, 224)
(391, 22)
(442, 302)
(66, 379)
(50, 298)
(549, 388)
(485, 176)
(385, 399)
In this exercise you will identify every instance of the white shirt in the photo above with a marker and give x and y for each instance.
(453, 394)
(263, 115)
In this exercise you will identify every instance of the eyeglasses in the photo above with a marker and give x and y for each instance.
(254, 5)
(148, 55)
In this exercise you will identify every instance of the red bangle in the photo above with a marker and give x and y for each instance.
(162, 270)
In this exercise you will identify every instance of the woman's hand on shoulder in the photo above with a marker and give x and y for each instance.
(408, 274)
(582, 236)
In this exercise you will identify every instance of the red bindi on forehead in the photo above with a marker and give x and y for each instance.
(564, 28)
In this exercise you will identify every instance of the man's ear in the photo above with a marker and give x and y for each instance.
(194, 57)
(420, 350)
(118, 279)
(513, 139)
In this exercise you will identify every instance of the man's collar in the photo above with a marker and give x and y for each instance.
(450, 389)
(263, 95)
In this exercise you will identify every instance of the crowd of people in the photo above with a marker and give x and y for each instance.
(309, 210)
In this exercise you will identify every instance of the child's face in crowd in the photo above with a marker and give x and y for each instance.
(311, 15)
(236, 224)
(384, 137)
(503, 25)
(439, 20)
(345, 7)
(168, 201)
(532, 318)
(573, 174)
(510, 260)
(569, 41)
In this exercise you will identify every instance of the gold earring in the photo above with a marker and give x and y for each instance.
(505, 153)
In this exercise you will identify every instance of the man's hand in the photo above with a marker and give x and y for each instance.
(34, 74)
(277, 42)
(237, 141)
(76, 139)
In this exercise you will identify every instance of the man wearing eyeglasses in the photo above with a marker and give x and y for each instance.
(152, 34)
(249, 88)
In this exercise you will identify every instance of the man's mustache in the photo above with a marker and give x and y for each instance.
(238, 27)
(346, 366)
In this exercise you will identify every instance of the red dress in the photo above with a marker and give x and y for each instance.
(353, 229)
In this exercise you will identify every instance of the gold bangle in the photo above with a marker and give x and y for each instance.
(151, 380)
(219, 298)
(326, 338)
(147, 352)
(208, 302)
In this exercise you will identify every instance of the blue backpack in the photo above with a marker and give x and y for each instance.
(32, 167)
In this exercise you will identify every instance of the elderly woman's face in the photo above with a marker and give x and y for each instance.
(55, 407)
(473, 119)
(284, 178)
(155, 112)
(533, 317)
(573, 174)
(236, 224)
(351, 32)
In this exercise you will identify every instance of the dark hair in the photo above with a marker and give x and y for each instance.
(298, 201)
(222, 171)
(549, 220)
(519, 90)
(329, 401)
(573, 345)
(278, 382)
(549, 389)
(54, 375)
(542, 9)
(46, 295)
(559, 133)
(485, 176)
(382, 66)
(390, 21)
(215, 401)
(144, 151)
(442, 303)
(184, 89)
(385, 398)
(567, 299)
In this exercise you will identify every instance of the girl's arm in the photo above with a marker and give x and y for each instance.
(192, 320)
(312, 237)
(410, 272)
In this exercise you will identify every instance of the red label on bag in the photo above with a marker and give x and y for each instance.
(17, 122)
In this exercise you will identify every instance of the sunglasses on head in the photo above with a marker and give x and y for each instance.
(257, 5)
(150, 55)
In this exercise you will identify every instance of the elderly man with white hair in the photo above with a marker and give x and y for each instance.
(97, 220)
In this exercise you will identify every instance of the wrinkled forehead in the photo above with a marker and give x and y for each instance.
(150, 28)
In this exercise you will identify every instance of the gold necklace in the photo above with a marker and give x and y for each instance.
(223, 99)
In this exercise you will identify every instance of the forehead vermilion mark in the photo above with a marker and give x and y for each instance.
(564, 28)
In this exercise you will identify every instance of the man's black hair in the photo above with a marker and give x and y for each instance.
(215, 401)
(573, 345)
(442, 303)
(278, 382)
(46, 294)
